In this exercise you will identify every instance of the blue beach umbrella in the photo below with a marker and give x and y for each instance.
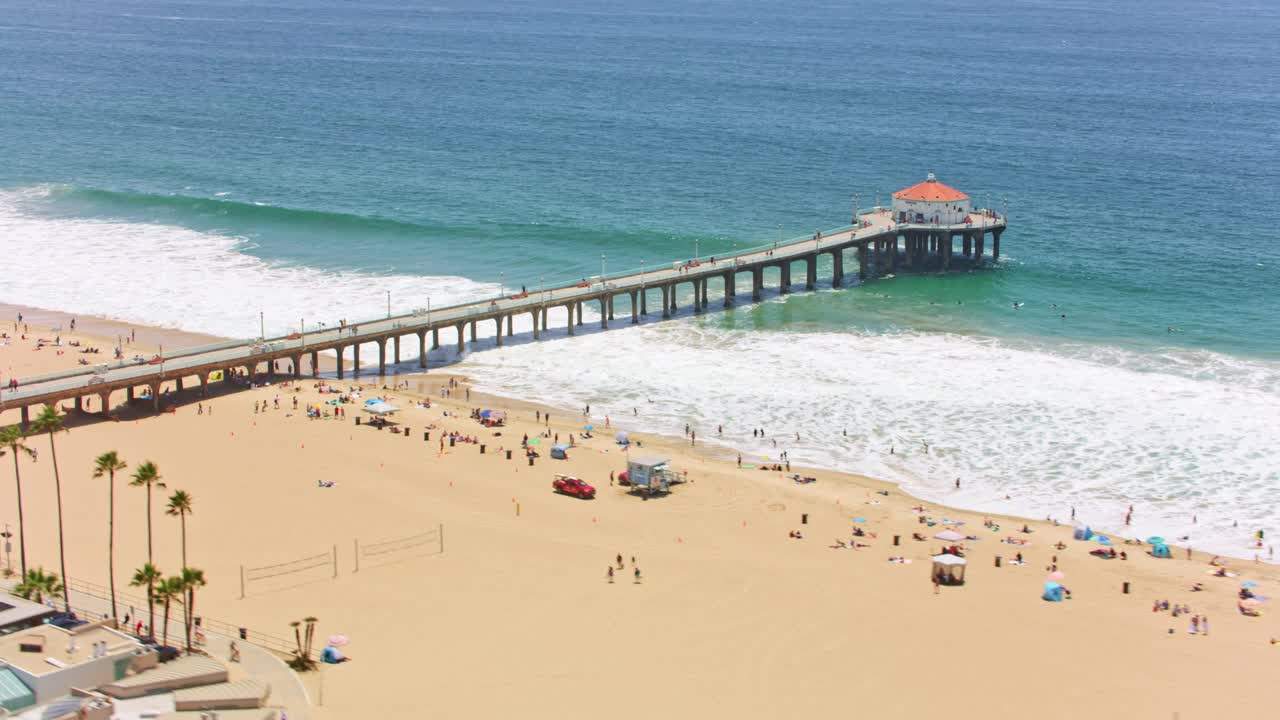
(588, 427)
(1102, 539)
(1249, 584)
(1155, 540)
(859, 519)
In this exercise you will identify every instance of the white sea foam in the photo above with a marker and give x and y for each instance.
(1174, 433)
(175, 277)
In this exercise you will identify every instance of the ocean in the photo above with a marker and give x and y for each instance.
(192, 163)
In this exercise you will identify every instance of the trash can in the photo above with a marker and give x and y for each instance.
(508, 454)
(244, 633)
(481, 449)
(997, 561)
(357, 419)
(531, 460)
(1125, 589)
(804, 518)
(897, 539)
(451, 441)
(426, 436)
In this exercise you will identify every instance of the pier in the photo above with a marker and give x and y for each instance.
(918, 234)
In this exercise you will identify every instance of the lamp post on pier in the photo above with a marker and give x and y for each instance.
(602, 269)
(502, 284)
(262, 325)
(388, 304)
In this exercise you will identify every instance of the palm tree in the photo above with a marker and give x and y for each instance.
(148, 576)
(147, 475)
(180, 505)
(36, 583)
(168, 590)
(49, 421)
(108, 463)
(297, 637)
(192, 580)
(12, 438)
(311, 633)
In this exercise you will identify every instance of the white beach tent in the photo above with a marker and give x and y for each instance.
(380, 408)
(948, 569)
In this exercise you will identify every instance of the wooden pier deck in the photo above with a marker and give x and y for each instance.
(880, 245)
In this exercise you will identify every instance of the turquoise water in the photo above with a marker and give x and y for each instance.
(305, 157)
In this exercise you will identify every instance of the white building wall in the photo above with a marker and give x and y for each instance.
(941, 213)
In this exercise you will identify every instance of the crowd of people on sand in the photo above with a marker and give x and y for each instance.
(1199, 623)
(621, 566)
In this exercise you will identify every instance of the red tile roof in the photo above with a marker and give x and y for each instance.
(931, 191)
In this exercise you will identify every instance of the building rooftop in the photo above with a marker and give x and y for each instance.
(16, 611)
(930, 191)
(47, 649)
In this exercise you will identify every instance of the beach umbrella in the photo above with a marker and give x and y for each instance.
(859, 519)
(1102, 539)
(1057, 575)
(1155, 540)
(1249, 584)
(338, 640)
(588, 428)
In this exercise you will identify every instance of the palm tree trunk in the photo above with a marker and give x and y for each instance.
(22, 534)
(62, 550)
(165, 632)
(150, 560)
(111, 541)
(190, 614)
(183, 518)
(151, 609)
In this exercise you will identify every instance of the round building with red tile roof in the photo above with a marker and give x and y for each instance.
(931, 202)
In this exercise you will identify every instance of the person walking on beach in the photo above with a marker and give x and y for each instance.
(620, 565)
(693, 438)
(739, 461)
(610, 574)
(637, 575)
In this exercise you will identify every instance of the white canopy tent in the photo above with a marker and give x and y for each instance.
(380, 408)
(948, 569)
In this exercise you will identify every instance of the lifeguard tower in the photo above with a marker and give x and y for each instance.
(651, 475)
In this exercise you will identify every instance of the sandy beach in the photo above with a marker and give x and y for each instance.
(731, 616)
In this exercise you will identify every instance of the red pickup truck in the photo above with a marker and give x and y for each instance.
(568, 485)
